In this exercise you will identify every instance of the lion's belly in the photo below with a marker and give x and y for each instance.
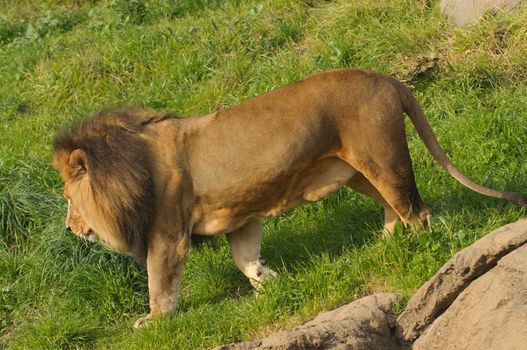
(326, 177)
(311, 184)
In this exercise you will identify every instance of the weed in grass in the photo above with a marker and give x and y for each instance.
(9, 31)
(133, 11)
(47, 25)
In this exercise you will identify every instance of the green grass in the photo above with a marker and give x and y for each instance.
(63, 59)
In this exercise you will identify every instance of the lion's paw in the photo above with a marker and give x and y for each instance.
(143, 321)
(264, 274)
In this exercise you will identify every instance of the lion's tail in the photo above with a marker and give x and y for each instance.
(412, 109)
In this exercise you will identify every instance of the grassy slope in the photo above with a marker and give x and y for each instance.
(60, 61)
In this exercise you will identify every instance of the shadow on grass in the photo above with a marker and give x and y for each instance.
(341, 222)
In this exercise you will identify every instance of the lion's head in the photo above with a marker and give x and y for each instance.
(105, 166)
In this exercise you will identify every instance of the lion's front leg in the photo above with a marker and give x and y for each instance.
(245, 248)
(165, 260)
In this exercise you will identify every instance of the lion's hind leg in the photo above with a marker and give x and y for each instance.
(396, 186)
(360, 184)
(245, 245)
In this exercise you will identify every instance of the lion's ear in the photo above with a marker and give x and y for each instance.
(79, 162)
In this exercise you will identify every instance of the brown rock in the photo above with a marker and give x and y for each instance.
(490, 314)
(464, 12)
(363, 324)
(436, 295)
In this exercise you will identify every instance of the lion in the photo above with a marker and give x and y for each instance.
(145, 182)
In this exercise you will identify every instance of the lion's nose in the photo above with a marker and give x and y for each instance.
(67, 227)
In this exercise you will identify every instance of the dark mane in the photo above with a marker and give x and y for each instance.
(119, 169)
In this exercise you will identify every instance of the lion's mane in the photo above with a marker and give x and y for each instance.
(120, 175)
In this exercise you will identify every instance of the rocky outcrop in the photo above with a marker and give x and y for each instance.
(477, 300)
(436, 295)
(465, 12)
(491, 313)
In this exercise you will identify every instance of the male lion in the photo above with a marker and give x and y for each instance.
(145, 181)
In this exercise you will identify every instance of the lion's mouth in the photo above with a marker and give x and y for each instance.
(90, 236)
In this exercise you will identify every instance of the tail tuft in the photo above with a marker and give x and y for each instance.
(516, 197)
